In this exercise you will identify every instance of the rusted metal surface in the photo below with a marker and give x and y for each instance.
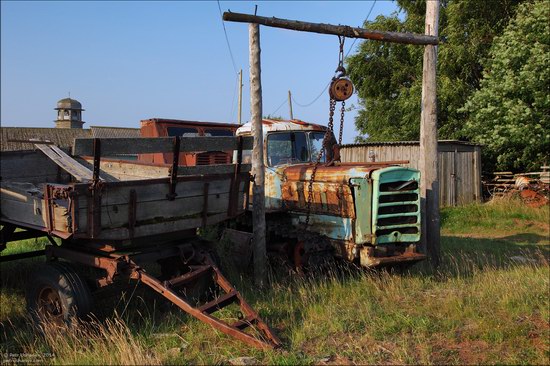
(330, 174)
(368, 257)
(348, 208)
(129, 266)
(327, 198)
(532, 188)
(532, 198)
(159, 127)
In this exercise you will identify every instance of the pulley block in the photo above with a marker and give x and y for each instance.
(341, 89)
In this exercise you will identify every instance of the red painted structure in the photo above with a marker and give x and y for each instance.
(160, 127)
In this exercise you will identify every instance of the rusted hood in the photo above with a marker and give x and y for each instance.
(340, 173)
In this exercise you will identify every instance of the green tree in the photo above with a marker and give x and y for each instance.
(510, 113)
(388, 76)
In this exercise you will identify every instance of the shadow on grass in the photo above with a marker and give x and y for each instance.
(148, 313)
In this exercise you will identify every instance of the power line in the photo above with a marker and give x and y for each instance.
(314, 100)
(279, 107)
(227, 39)
(368, 15)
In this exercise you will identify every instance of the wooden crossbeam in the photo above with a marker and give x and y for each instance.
(339, 30)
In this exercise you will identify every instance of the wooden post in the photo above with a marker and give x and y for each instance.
(429, 184)
(258, 198)
(290, 104)
(240, 96)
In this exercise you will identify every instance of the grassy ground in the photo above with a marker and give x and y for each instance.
(489, 302)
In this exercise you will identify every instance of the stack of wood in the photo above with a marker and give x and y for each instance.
(533, 188)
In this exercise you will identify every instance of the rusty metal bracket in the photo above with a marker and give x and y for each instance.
(174, 170)
(128, 265)
(49, 209)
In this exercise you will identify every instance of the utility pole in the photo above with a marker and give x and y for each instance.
(258, 192)
(429, 185)
(290, 104)
(240, 96)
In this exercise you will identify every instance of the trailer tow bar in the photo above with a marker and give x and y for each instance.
(261, 335)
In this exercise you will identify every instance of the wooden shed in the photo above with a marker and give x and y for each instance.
(459, 165)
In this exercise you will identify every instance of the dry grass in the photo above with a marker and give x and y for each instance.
(488, 303)
(102, 343)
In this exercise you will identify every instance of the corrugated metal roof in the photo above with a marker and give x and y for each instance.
(62, 137)
(114, 132)
(403, 143)
(270, 125)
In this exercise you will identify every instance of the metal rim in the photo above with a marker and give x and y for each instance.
(49, 304)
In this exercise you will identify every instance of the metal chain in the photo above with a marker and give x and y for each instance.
(342, 111)
(328, 132)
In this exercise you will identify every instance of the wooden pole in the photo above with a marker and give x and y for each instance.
(429, 184)
(240, 96)
(340, 30)
(258, 198)
(290, 104)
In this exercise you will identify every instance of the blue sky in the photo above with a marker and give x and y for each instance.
(127, 61)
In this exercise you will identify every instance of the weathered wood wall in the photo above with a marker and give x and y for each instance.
(459, 165)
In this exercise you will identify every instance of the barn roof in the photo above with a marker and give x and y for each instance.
(62, 137)
(114, 132)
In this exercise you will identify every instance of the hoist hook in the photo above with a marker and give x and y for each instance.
(341, 87)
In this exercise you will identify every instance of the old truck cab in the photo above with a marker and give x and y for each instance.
(162, 127)
(369, 213)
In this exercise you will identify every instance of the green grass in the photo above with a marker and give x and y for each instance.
(489, 302)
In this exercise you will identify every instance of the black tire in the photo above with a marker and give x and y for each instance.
(56, 293)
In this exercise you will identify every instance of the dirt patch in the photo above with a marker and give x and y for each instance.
(543, 227)
(335, 360)
(466, 352)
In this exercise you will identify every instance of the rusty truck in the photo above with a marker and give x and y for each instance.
(365, 213)
(119, 216)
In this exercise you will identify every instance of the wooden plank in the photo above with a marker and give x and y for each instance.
(143, 145)
(29, 166)
(160, 228)
(125, 170)
(114, 216)
(157, 192)
(25, 212)
(67, 163)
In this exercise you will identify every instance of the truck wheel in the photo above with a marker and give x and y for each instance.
(56, 293)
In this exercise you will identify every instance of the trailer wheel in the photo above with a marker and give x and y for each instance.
(57, 294)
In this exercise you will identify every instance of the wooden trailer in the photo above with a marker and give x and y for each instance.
(118, 215)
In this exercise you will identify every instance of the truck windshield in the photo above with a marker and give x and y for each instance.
(182, 131)
(316, 143)
(217, 132)
(287, 148)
